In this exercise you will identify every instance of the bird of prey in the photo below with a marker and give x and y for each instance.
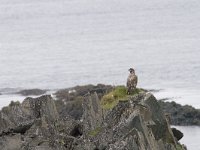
(131, 81)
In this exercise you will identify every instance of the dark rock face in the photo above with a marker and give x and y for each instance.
(34, 124)
(135, 123)
(181, 115)
(71, 93)
(32, 92)
(178, 134)
(69, 101)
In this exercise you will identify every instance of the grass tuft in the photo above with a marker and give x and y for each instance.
(179, 147)
(111, 99)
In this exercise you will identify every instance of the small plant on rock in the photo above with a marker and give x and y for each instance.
(119, 93)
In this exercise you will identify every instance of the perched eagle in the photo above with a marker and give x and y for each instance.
(131, 81)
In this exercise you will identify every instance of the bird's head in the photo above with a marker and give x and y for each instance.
(131, 70)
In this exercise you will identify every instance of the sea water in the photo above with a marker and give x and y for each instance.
(52, 44)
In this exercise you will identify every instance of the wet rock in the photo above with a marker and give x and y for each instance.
(178, 134)
(181, 115)
(35, 92)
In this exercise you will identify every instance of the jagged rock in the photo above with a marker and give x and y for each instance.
(93, 113)
(181, 115)
(35, 121)
(70, 93)
(11, 142)
(13, 116)
(43, 106)
(136, 122)
(18, 115)
(21, 128)
(69, 101)
(178, 134)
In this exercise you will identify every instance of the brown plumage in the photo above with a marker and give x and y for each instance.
(132, 81)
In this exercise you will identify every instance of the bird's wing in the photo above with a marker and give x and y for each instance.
(129, 79)
(135, 81)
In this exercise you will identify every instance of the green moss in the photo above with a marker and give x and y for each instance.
(118, 94)
(179, 147)
(94, 132)
(169, 138)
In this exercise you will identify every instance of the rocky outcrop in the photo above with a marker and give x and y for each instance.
(181, 115)
(177, 134)
(35, 92)
(69, 101)
(136, 122)
(34, 124)
(92, 113)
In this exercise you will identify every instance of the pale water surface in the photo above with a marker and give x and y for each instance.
(191, 136)
(53, 44)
